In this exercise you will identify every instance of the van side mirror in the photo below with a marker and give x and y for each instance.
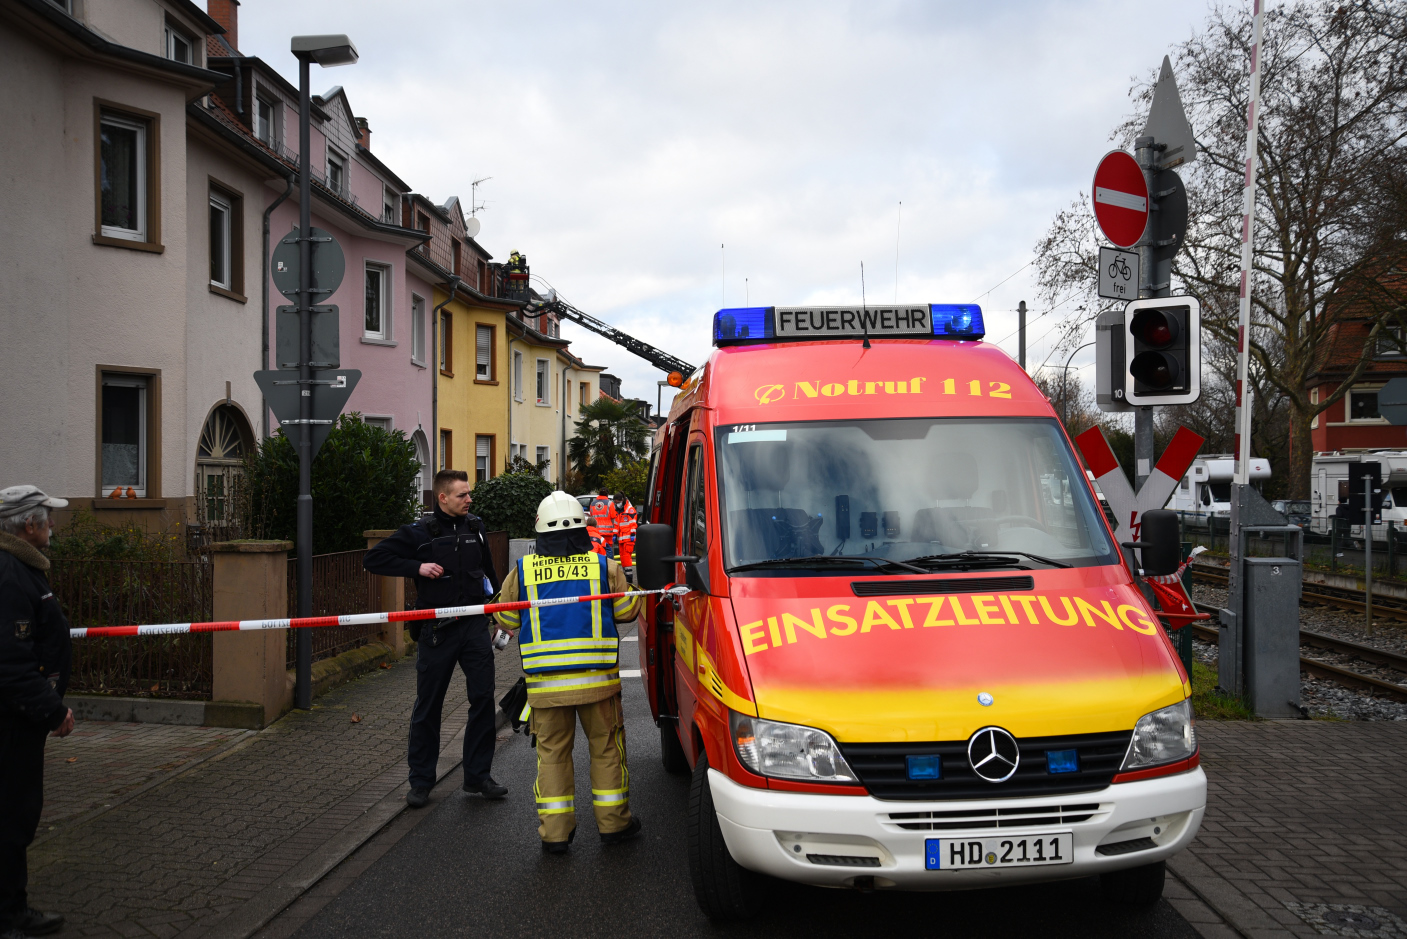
(1161, 543)
(654, 543)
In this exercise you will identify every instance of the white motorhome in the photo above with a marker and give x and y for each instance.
(1329, 486)
(1205, 492)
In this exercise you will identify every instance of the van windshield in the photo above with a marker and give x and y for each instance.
(906, 489)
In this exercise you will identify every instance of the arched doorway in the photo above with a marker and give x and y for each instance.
(422, 475)
(225, 439)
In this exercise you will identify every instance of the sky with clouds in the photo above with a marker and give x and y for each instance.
(627, 141)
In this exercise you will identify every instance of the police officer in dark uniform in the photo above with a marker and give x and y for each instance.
(34, 662)
(447, 554)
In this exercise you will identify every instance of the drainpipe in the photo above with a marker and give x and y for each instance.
(454, 282)
(562, 444)
(264, 272)
(512, 385)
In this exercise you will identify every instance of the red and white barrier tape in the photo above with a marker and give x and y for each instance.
(355, 619)
(1175, 578)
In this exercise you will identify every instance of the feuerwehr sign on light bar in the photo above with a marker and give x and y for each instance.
(906, 320)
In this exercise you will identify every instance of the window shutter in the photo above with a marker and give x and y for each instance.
(483, 349)
(481, 447)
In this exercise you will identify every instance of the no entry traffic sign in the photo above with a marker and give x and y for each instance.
(1121, 199)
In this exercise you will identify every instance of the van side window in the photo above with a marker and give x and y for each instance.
(696, 508)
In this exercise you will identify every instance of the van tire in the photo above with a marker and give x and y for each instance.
(1134, 886)
(724, 889)
(671, 750)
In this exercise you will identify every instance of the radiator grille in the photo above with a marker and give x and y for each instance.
(1029, 817)
(882, 768)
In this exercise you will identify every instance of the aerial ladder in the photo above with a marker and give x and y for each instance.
(516, 286)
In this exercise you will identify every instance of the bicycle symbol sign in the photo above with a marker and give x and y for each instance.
(1118, 274)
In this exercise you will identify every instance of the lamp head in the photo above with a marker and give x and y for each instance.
(326, 51)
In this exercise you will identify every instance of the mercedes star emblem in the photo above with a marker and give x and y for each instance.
(993, 754)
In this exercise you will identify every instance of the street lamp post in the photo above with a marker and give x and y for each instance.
(327, 51)
(1065, 390)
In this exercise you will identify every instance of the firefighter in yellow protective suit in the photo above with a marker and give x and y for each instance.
(570, 655)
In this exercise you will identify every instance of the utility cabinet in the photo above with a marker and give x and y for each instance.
(1270, 640)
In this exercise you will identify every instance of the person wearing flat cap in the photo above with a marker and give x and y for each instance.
(34, 662)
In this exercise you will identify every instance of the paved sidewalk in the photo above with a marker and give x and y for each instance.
(1305, 833)
(101, 762)
(185, 831)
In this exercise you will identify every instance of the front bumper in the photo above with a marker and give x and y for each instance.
(778, 833)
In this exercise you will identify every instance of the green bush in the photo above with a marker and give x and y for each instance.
(630, 479)
(86, 537)
(509, 502)
(363, 478)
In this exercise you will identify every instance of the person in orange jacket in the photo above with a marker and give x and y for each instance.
(601, 515)
(626, 523)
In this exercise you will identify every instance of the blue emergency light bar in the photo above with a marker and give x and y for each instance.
(753, 324)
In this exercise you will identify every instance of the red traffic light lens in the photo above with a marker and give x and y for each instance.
(1156, 371)
(1154, 328)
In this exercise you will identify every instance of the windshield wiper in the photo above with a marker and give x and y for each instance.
(814, 559)
(994, 557)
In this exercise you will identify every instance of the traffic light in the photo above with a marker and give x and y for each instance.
(1163, 351)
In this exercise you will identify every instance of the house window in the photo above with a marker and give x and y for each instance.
(378, 308)
(544, 459)
(585, 390)
(483, 277)
(517, 376)
(179, 47)
(483, 458)
(446, 344)
(1363, 406)
(124, 433)
(544, 388)
(417, 329)
(123, 177)
(422, 221)
(1391, 343)
(483, 352)
(446, 446)
(388, 205)
(382, 422)
(264, 120)
(336, 172)
(220, 221)
(455, 268)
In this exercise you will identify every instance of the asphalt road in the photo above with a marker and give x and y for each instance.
(473, 867)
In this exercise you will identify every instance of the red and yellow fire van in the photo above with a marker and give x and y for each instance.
(912, 654)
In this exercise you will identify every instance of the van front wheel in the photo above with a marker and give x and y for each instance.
(1134, 886)
(725, 890)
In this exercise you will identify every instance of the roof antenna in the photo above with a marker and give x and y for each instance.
(864, 308)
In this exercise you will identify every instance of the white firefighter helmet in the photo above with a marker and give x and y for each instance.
(559, 512)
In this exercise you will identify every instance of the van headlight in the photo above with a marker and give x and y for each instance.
(789, 751)
(1164, 736)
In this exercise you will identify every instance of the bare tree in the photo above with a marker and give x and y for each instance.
(1330, 194)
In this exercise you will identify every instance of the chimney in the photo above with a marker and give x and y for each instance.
(363, 132)
(226, 13)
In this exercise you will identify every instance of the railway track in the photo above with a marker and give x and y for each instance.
(1334, 673)
(1352, 600)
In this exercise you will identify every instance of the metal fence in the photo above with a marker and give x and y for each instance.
(340, 585)
(118, 593)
